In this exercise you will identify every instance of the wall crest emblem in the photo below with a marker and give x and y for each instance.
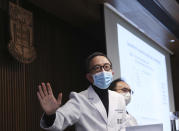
(21, 33)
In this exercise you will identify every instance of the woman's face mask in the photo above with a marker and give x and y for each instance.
(127, 97)
(124, 89)
(103, 79)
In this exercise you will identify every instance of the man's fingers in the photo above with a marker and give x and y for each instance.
(49, 89)
(59, 100)
(41, 93)
(44, 89)
(39, 97)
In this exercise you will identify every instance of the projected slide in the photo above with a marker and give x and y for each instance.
(144, 69)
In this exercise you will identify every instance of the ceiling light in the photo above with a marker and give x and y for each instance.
(172, 41)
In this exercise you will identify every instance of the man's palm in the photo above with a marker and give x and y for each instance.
(47, 100)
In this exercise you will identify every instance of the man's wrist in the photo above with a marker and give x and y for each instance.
(49, 119)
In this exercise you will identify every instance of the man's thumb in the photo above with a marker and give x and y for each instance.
(59, 100)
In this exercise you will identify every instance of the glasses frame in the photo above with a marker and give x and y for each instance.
(100, 67)
(126, 90)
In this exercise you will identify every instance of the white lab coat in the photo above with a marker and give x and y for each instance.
(129, 120)
(87, 112)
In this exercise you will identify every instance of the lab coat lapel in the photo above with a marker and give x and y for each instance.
(113, 106)
(95, 100)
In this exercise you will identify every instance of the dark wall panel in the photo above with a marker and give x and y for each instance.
(175, 75)
(61, 52)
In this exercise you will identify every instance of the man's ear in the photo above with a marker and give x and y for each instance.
(112, 72)
(89, 77)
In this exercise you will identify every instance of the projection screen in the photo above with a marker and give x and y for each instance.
(144, 65)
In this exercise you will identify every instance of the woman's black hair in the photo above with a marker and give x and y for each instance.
(113, 84)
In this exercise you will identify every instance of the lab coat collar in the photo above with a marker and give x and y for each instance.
(95, 100)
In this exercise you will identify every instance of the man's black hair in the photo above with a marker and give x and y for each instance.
(90, 57)
(113, 84)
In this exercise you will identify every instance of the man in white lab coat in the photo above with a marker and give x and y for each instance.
(94, 109)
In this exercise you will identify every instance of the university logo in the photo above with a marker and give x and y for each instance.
(21, 32)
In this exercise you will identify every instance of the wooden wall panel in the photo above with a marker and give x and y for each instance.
(61, 52)
(13, 96)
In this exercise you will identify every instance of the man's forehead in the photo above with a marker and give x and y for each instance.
(99, 60)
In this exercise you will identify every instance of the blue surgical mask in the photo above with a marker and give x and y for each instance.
(102, 80)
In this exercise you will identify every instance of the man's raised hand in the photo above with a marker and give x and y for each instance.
(47, 100)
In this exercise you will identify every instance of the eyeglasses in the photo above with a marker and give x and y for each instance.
(98, 68)
(126, 90)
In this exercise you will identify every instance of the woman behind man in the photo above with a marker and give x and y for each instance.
(123, 88)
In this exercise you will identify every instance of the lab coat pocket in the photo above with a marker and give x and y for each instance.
(118, 119)
(119, 113)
